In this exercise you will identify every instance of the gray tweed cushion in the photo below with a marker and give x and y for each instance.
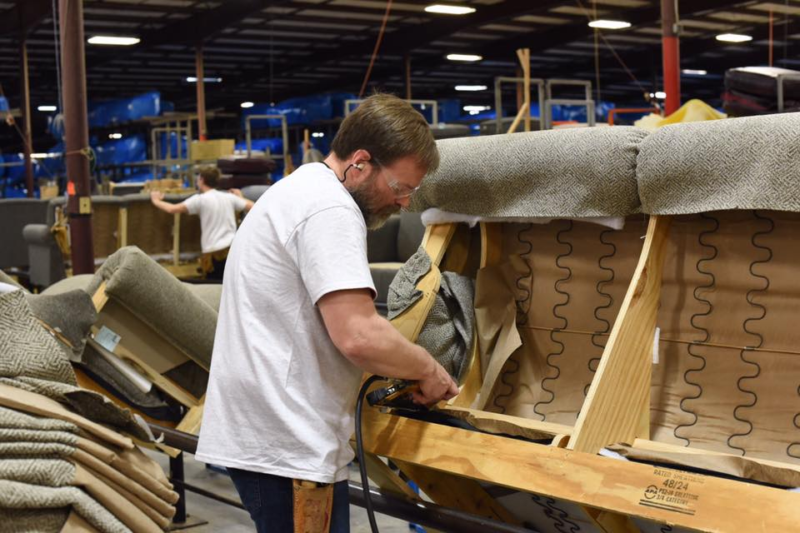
(447, 332)
(33, 520)
(583, 172)
(70, 313)
(16, 495)
(742, 163)
(160, 300)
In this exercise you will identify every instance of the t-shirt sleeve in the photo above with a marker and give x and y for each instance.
(192, 204)
(330, 250)
(238, 203)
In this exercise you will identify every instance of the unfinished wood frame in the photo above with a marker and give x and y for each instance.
(616, 496)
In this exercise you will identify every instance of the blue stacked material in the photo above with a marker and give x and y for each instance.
(167, 107)
(52, 166)
(127, 150)
(302, 110)
(4, 104)
(449, 110)
(173, 145)
(14, 174)
(274, 145)
(115, 112)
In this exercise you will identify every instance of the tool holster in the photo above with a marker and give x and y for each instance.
(313, 504)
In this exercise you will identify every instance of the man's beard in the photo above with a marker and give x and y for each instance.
(366, 198)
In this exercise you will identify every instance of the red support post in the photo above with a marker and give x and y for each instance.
(671, 53)
(26, 113)
(201, 93)
(76, 141)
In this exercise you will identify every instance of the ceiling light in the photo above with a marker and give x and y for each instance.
(693, 72)
(475, 109)
(318, 134)
(192, 79)
(450, 10)
(113, 41)
(470, 87)
(609, 24)
(246, 105)
(464, 57)
(661, 95)
(46, 108)
(115, 136)
(734, 38)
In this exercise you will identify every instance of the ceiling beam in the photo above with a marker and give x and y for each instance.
(23, 16)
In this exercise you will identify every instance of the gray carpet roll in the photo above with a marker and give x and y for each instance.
(742, 163)
(582, 172)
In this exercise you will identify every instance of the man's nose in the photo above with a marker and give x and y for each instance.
(403, 202)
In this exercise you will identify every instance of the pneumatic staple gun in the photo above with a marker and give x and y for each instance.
(397, 395)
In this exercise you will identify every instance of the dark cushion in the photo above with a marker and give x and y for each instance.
(382, 242)
(410, 235)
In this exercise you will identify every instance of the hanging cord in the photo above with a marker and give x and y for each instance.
(362, 465)
(377, 47)
(57, 46)
(613, 51)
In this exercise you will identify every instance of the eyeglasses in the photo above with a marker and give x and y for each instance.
(400, 190)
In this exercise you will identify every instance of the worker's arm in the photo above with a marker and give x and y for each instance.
(370, 342)
(157, 198)
(248, 204)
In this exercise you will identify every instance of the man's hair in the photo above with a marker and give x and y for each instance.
(210, 176)
(389, 129)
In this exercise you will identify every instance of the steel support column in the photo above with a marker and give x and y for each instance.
(201, 93)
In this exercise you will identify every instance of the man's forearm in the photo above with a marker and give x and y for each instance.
(380, 349)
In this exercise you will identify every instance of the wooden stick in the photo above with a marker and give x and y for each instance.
(522, 111)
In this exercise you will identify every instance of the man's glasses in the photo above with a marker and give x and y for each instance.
(400, 190)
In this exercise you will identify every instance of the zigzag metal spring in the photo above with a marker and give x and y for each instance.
(707, 334)
(555, 331)
(602, 334)
(796, 421)
(745, 325)
(523, 307)
(559, 516)
(667, 529)
(524, 299)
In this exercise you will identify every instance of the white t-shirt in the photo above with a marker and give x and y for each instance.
(281, 397)
(217, 212)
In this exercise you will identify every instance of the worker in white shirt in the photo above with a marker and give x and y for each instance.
(217, 210)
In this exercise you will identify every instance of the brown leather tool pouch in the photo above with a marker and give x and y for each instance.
(313, 503)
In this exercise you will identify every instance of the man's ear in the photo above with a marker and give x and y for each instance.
(360, 156)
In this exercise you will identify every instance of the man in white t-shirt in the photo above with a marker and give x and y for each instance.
(217, 212)
(297, 324)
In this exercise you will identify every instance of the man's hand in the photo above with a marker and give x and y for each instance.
(436, 387)
(156, 196)
(236, 192)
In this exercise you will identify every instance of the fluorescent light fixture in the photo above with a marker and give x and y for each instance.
(47, 108)
(247, 105)
(475, 109)
(449, 10)
(44, 155)
(693, 72)
(609, 24)
(113, 40)
(192, 79)
(661, 95)
(115, 136)
(734, 38)
(318, 134)
(464, 57)
(470, 87)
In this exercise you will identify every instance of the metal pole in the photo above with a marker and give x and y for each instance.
(407, 61)
(26, 113)
(498, 105)
(671, 54)
(201, 94)
(73, 81)
(177, 476)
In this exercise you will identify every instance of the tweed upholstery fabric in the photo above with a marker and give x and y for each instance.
(81, 281)
(33, 520)
(9, 435)
(12, 419)
(585, 172)
(5, 278)
(448, 329)
(70, 313)
(41, 472)
(160, 300)
(743, 163)
(15, 495)
(25, 348)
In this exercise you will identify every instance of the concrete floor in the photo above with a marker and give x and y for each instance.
(224, 518)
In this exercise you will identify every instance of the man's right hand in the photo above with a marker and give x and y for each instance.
(156, 196)
(436, 387)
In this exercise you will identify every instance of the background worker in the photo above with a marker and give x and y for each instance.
(297, 325)
(217, 212)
